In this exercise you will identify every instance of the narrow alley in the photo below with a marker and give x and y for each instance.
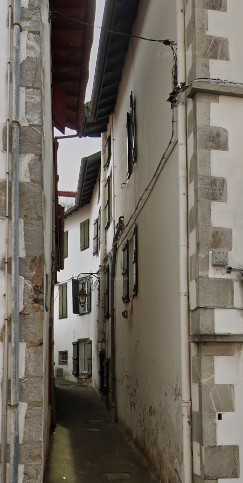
(86, 447)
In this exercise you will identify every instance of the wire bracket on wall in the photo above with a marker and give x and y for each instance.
(239, 270)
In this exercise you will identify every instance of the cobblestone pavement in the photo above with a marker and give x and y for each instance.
(86, 447)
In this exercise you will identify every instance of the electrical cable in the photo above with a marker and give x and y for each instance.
(149, 188)
(55, 15)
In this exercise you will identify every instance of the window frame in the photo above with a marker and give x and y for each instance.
(63, 308)
(60, 360)
(84, 235)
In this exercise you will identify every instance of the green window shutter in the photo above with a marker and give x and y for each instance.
(82, 236)
(89, 356)
(86, 224)
(89, 295)
(125, 272)
(135, 260)
(75, 359)
(64, 300)
(95, 237)
(65, 244)
(75, 295)
(60, 301)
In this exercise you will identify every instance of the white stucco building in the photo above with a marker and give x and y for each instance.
(34, 55)
(171, 226)
(75, 326)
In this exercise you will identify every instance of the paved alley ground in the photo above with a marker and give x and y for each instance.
(86, 447)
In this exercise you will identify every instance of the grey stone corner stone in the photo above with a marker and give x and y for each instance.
(221, 462)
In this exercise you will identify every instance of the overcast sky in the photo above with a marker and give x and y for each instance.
(71, 151)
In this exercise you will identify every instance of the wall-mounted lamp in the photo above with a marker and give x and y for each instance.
(82, 297)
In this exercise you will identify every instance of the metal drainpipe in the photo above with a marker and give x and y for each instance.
(119, 228)
(14, 436)
(183, 252)
(6, 336)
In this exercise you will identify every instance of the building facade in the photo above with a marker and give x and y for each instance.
(171, 228)
(28, 207)
(75, 324)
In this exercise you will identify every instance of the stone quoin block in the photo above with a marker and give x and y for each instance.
(221, 462)
(31, 327)
(212, 188)
(31, 201)
(33, 424)
(33, 106)
(31, 453)
(30, 72)
(31, 16)
(34, 361)
(217, 398)
(215, 292)
(30, 140)
(33, 236)
(210, 47)
(220, 5)
(197, 434)
(31, 390)
(203, 370)
(212, 137)
(221, 239)
(202, 321)
(216, 349)
(209, 429)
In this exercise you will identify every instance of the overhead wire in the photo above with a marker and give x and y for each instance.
(150, 186)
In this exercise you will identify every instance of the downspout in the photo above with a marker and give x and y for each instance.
(6, 335)
(119, 228)
(101, 315)
(14, 435)
(183, 251)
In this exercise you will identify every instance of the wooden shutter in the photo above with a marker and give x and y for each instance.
(125, 273)
(86, 231)
(62, 301)
(89, 295)
(135, 260)
(75, 294)
(82, 236)
(89, 356)
(107, 292)
(75, 359)
(65, 244)
(95, 237)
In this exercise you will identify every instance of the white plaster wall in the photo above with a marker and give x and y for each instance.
(148, 342)
(228, 24)
(74, 327)
(228, 113)
(229, 370)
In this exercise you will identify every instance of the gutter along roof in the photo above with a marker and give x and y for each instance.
(88, 174)
(119, 16)
(71, 42)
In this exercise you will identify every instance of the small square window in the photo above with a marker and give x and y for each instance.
(63, 358)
